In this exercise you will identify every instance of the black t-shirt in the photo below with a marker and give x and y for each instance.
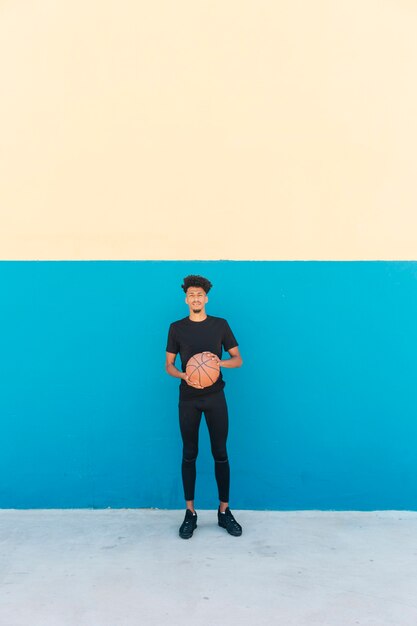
(189, 338)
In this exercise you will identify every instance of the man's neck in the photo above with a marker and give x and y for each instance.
(198, 317)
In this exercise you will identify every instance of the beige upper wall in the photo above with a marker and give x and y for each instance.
(240, 129)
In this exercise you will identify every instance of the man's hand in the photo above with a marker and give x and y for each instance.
(214, 357)
(189, 382)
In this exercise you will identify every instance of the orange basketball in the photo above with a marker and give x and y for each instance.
(202, 369)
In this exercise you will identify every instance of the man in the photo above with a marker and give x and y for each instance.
(190, 335)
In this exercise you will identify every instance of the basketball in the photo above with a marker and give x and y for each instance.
(202, 369)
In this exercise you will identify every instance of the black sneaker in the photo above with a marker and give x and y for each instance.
(227, 521)
(188, 525)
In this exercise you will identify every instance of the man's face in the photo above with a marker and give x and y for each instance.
(196, 298)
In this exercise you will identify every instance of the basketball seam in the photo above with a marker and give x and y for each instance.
(199, 365)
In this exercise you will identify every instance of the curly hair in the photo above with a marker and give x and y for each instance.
(194, 280)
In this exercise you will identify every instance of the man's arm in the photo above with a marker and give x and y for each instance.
(173, 371)
(235, 360)
(170, 367)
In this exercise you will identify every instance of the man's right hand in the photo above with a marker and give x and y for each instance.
(189, 382)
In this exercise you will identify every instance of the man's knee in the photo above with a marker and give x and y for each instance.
(189, 455)
(220, 455)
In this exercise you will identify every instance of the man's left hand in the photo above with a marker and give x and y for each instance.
(214, 357)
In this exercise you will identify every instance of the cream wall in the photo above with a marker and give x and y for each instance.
(239, 129)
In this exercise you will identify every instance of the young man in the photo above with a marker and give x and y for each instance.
(190, 335)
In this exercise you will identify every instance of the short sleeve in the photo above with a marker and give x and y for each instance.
(172, 343)
(229, 340)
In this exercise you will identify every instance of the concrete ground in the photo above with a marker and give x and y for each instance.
(128, 567)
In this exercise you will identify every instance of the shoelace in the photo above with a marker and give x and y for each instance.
(188, 523)
(230, 521)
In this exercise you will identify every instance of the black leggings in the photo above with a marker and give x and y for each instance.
(215, 411)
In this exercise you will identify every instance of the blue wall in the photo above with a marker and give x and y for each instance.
(323, 413)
